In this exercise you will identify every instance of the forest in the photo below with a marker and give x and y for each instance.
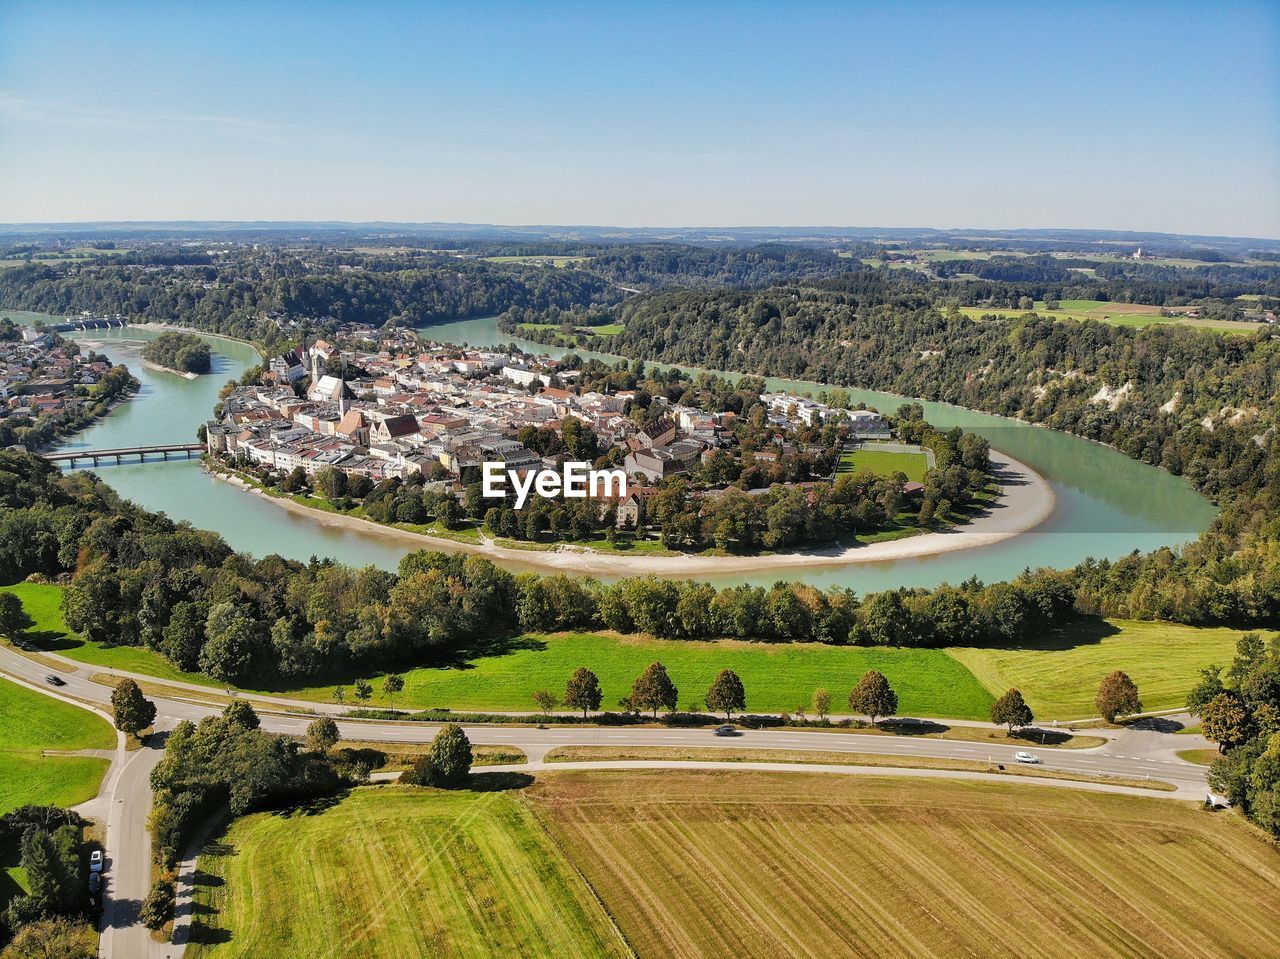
(183, 352)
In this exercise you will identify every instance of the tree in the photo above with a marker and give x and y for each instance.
(133, 711)
(727, 693)
(58, 938)
(1210, 685)
(393, 684)
(13, 618)
(1117, 696)
(323, 735)
(1012, 710)
(339, 694)
(1225, 720)
(873, 696)
(240, 713)
(653, 689)
(545, 701)
(821, 702)
(582, 691)
(364, 690)
(447, 762)
(157, 908)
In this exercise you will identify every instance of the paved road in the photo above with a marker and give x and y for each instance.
(1146, 750)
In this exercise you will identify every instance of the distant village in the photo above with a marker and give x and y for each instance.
(40, 376)
(445, 411)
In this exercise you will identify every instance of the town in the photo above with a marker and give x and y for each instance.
(49, 386)
(450, 415)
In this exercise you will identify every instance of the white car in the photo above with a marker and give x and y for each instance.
(1023, 757)
(95, 861)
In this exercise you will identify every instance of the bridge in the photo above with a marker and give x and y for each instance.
(120, 455)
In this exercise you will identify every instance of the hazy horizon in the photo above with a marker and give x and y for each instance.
(1144, 118)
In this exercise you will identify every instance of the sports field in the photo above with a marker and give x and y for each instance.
(885, 463)
(397, 871)
(1059, 677)
(743, 864)
(31, 723)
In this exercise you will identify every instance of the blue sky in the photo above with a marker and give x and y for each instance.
(1160, 116)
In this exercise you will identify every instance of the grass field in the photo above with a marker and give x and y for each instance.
(557, 261)
(31, 723)
(1116, 314)
(744, 864)
(777, 677)
(1059, 678)
(885, 463)
(397, 871)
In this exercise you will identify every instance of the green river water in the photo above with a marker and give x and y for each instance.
(1107, 504)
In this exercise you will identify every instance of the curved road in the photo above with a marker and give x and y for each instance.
(1145, 750)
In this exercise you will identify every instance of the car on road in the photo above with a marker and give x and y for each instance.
(95, 882)
(1025, 757)
(726, 730)
(53, 680)
(95, 861)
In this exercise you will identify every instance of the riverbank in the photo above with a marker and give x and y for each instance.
(1024, 502)
(165, 369)
(170, 328)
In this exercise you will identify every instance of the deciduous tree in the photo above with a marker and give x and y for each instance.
(582, 691)
(654, 690)
(1117, 696)
(873, 696)
(133, 712)
(1012, 710)
(727, 694)
(323, 734)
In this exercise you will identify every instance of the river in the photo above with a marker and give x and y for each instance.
(1107, 504)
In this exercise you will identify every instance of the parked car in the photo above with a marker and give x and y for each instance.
(95, 861)
(95, 882)
(53, 680)
(726, 730)
(1023, 757)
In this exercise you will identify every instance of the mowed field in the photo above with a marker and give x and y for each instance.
(778, 676)
(1112, 312)
(31, 723)
(885, 463)
(1059, 678)
(396, 872)
(743, 864)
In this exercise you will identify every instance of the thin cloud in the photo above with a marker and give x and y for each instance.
(21, 111)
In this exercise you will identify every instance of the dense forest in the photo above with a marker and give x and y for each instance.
(183, 352)
(1199, 404)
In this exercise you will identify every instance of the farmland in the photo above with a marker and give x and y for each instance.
(31, 723)
(1060, 676)
(417, 873)
(1116, 314)
(753, 864)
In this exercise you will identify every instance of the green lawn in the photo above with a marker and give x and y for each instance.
(31, 722)
(885, 463)
(778, 677)
(43, 604)
(1115, 314)
(397, 871)
(1059, 677)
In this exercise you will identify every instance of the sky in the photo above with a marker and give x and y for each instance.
(1144, 116)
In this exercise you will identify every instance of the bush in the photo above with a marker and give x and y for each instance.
(157, 908)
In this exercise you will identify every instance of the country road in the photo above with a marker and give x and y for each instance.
(1145, 750)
